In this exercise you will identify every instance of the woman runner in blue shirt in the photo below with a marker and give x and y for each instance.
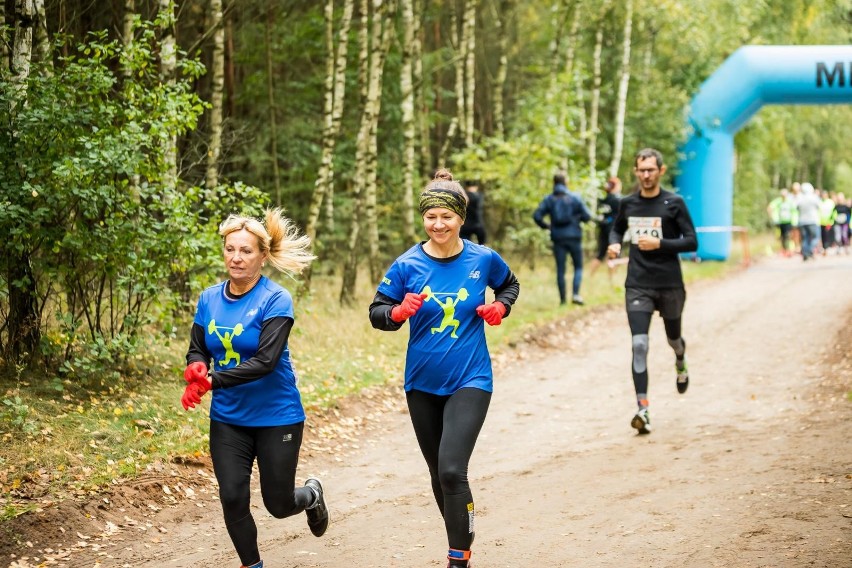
(238, 348)
(439, 286)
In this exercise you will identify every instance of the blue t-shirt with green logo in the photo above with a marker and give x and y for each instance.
(233, 331)
(446, 345)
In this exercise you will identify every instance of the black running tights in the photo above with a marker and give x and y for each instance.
(234, 449)
(446, 428)
(640, 324)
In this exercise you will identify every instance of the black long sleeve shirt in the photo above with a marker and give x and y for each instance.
(665, 217)
(274, 334)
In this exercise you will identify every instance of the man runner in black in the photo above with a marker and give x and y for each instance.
(660, 228)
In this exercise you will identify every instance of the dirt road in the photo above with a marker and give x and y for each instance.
(751, 468)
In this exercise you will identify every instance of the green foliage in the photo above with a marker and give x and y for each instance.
(84, 203)
(16, 413)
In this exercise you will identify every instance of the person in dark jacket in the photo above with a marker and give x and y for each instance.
(565, 212)
(607, 209)
(474, 221)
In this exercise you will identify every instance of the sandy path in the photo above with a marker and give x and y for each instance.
(752, 467)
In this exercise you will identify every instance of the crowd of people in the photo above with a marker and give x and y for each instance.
(811, 222)
(447, 288)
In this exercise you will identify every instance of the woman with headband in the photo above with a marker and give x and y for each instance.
(439, 286)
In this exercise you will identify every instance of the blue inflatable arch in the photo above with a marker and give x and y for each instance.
(751, 77)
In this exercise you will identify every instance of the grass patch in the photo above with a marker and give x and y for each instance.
(62, 441)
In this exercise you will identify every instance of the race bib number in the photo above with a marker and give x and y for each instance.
(841, 219)
(638, 226)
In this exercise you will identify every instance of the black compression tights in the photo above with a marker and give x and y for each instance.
(640, 324)
(234, 449)
(446, 428)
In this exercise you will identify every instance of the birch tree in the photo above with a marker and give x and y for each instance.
(270, 101)
(419, 86)
(557, 18)
(458, 123)
(23, 319)
(408, 123)
(127, 33)
(4, 38)
(624, 80)
(502, 15)
(573, 34)
(42, 40)
(335, 89)
(374, 43)
(594, 104)
(22, 46)
(217, 90)
(168, 70)
(469, 39)
(383, 28)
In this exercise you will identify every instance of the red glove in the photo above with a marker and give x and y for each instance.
(195, 372)
(192, 395)
(409, 306)
(492, 313)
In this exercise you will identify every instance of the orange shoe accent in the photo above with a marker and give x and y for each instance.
(644, 402)
(454, 554)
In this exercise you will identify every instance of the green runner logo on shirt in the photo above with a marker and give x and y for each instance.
(449, 308)
(226, 339)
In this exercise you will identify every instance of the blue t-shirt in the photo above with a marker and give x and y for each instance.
(446, 345)
(233, 331)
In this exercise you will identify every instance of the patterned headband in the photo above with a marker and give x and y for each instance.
(441, 197)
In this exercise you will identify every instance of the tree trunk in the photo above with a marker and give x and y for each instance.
(469, 37)
(4, 38)
(595, 102)
(127, 32)
(350, 268)
(229, 67)
(408, 124)
(383, 32)
(24, 330)
(571, 44)
(42, 39)
(217, 92)
(335, 89)
(127, 73)
(22, 47)
(420, 88)
(459, 59)
(624, 80)
(273, 111)
(558, 24)
(502, 16)
(168, 69)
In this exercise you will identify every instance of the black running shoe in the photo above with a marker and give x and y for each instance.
(318, 514)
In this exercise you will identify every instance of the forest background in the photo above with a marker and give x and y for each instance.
(131, 128)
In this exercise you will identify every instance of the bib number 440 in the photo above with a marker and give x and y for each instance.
(650, 226)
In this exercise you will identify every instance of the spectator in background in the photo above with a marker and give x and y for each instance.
(795, 233)
(566, 211)
(607, 209)
(841, 223)
(780, 210)
(474, 222)
(827, 215)
(808, 206)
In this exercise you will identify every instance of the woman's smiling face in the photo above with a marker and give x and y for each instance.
(442, 225)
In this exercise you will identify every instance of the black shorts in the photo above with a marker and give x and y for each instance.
(668, 301)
